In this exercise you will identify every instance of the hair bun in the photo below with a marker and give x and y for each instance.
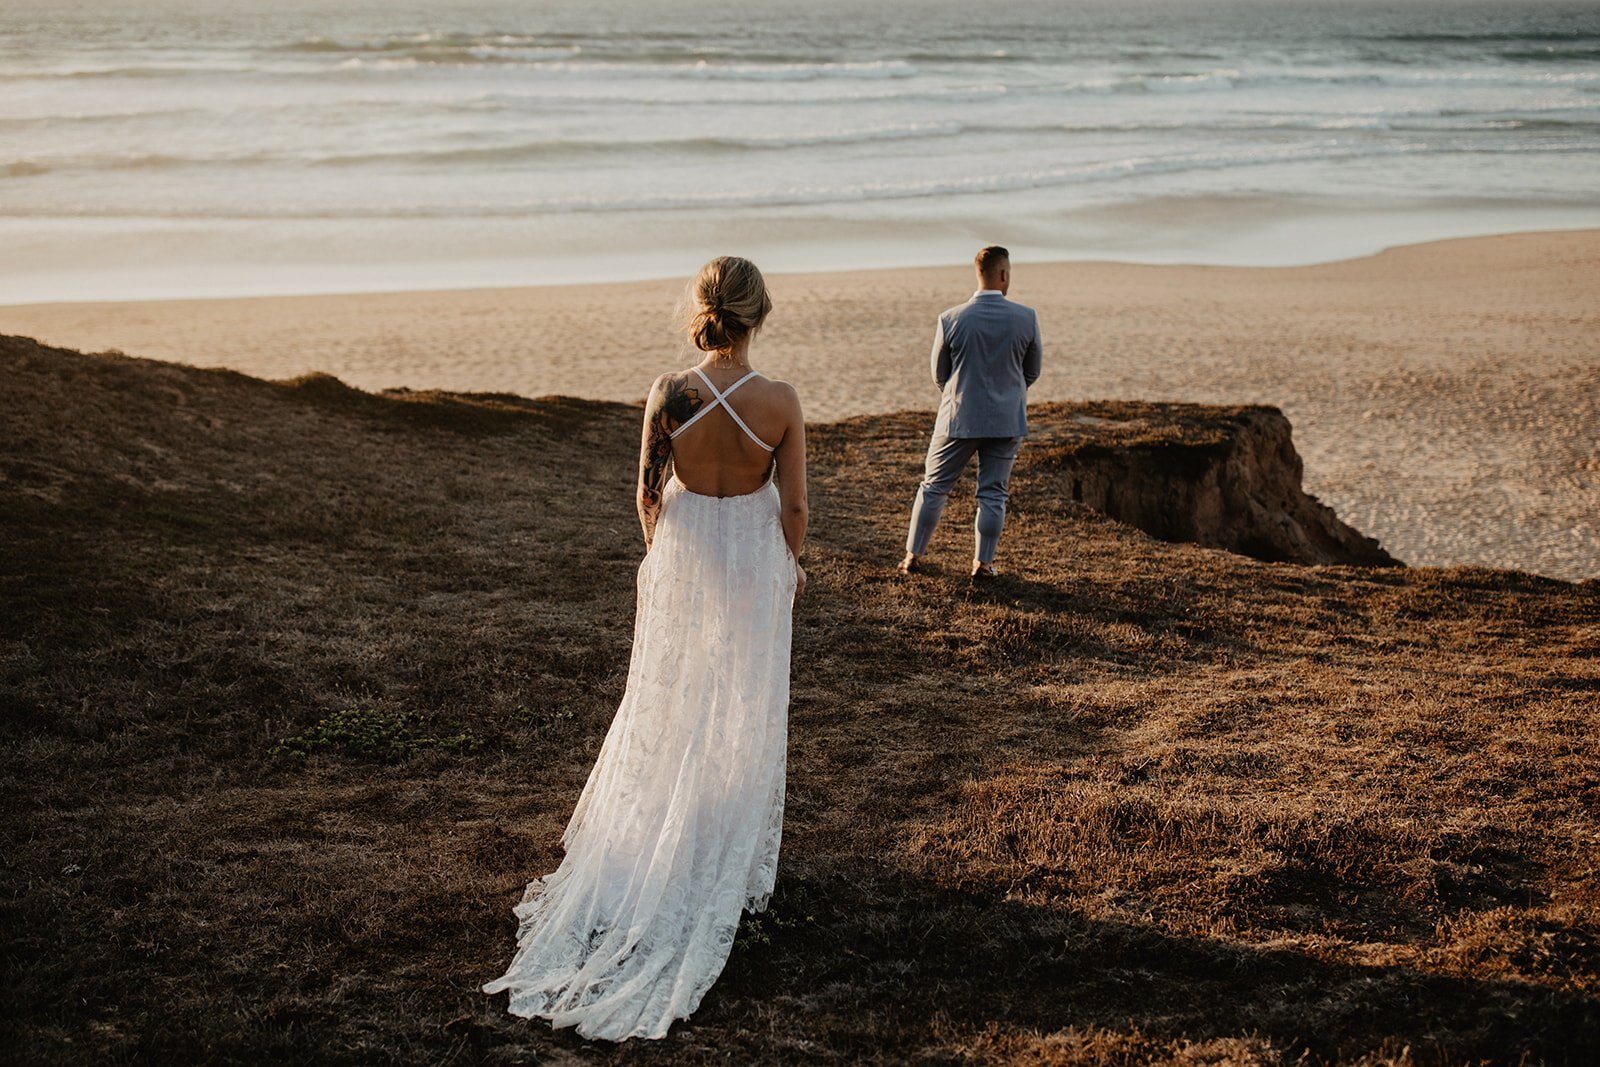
(711, 333)
(729, 300)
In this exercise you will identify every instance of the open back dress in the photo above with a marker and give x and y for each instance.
(678, 827)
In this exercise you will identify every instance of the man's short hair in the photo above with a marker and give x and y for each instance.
(990, 258)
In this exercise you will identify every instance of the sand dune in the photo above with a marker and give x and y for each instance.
(1444, 396)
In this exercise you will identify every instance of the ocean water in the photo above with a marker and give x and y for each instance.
(199, 147)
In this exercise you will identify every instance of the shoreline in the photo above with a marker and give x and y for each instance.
(236, 262)
(1442, 395)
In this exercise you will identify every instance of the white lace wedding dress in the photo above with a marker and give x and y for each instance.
(678, 827)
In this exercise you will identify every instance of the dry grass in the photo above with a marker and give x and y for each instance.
(1140, 802)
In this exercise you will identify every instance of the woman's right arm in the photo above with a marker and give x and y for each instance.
(655, 454)
(791, 457)
(671, 403)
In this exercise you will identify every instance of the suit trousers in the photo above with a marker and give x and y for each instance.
(947, 458)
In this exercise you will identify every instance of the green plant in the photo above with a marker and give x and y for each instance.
(370, 733)
(544, 720)
(789, 910)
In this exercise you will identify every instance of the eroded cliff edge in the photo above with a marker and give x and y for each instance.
(1223, 477)
(1218, 476)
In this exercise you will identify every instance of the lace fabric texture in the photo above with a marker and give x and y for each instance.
(678, 827)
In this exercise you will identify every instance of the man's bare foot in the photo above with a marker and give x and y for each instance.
(984, 572)
(911, 564)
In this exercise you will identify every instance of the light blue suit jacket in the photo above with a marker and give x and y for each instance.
(986, 353)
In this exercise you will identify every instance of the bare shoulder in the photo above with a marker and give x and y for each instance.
(780, 387)
(783, 394)
(673, 397)
(667, 381)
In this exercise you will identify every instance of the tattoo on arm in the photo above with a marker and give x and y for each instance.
(676, 402)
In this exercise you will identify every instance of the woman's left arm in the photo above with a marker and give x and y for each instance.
(791, 459)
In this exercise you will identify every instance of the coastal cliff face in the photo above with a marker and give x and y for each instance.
(1223, 477)
(306, 680)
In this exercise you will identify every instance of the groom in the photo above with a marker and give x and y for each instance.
(985, 355)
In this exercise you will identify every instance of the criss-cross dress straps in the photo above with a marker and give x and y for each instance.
(722, 401)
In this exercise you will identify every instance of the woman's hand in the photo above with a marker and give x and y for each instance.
(647, 525)
(799, 578)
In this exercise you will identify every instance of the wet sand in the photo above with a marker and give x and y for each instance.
(1445, 397)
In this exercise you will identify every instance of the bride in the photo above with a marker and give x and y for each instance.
(678, 827)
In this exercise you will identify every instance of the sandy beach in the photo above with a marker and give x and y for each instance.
(1445, 397)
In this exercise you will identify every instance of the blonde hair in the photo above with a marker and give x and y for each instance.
(726, 302)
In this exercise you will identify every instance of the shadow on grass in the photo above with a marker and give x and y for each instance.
(869, 964)
(916, 957)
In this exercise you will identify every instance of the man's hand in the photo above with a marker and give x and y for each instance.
(941, 355)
